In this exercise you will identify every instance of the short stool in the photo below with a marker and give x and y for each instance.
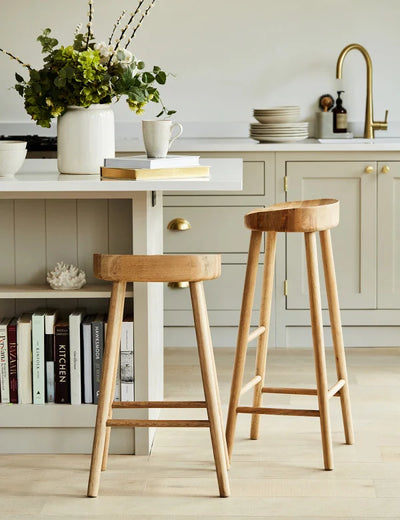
(308, 217)
(121, 269)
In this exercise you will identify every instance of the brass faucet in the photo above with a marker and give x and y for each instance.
(370, 125)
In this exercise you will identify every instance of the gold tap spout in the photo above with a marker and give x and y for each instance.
(370, 125)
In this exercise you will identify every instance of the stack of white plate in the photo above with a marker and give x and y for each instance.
(278, 125)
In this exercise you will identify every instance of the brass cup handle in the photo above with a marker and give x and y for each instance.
(179, 224)
(385, 169)
(369, 169)
(178, 285)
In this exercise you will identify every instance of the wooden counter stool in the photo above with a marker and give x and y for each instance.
(306, 217)
(121, 269)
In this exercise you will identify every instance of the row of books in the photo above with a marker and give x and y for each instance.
(136, 167)
(48, 359)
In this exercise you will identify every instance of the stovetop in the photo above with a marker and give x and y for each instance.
(34, 143)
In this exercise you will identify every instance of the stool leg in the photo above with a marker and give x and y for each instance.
(107, 384)
(336, 327)
(243, 334)
(318, 344)
(265, 315)
(210, 384)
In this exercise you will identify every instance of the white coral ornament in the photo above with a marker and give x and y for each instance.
(65, 277)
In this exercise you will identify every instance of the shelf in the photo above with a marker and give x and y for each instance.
(44, 291)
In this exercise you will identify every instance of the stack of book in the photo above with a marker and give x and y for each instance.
(138, 167)
(48, 359)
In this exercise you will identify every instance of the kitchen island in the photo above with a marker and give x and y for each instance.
(46, 218)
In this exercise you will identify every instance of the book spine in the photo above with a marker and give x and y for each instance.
(24, 362)
(12, 362)
(98, 345)
(87, 363)
(49, 349)
(4, 371)
(38, 369)
(75, 357)
(127, 362)
(61, 365)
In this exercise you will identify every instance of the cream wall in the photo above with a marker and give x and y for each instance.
(229, 56)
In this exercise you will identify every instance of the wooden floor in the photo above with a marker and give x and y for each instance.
(280, 476)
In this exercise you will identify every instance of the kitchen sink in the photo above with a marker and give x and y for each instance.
(361, 140)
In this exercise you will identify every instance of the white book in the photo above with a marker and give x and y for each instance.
(49, 323)
(87, 359)
(75, 320)
(142, 161)
(127, 361)
(38, 359)
(4, 373)
(24, 358)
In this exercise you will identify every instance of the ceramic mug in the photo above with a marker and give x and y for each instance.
(157, 136)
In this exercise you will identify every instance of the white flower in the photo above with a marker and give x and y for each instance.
(105, 51)
(124, 57)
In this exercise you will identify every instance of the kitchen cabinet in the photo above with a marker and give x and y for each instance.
(366, 243)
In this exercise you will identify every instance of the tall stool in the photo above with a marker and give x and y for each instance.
(121, 269)
(306, 217)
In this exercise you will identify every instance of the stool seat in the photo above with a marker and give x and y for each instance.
(156, 268)
(296, 216)
(120, 269)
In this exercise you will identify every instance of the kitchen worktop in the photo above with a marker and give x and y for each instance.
(249, 145)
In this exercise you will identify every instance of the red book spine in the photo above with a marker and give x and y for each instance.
(61, 364)
(12, 360)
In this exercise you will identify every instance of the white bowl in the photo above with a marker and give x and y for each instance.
(12, 145)
(11, 160)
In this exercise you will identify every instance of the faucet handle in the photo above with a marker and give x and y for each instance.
(381, 125)
(386, 116)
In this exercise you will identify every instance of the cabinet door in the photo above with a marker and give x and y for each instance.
(354, 240)
(389, 235)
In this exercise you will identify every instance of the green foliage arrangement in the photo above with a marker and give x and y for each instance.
(87, 72)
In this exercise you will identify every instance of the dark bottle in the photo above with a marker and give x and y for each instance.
(339, 116)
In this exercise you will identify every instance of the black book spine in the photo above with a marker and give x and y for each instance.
(12, 360)
(98, 346)
(62, 392)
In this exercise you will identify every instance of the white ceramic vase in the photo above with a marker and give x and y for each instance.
(85, 137)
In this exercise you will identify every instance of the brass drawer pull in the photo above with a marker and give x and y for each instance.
(369, 169)
(178, 285)
(179, 224)
(385, 169)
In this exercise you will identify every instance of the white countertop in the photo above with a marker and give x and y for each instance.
(249, 145)
(40, 178)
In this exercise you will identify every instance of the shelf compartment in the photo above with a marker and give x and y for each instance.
(44, 291)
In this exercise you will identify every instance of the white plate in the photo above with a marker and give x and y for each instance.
(274, 109)
(277, 119)
(267, 126)
(279, 139)
(297, 134)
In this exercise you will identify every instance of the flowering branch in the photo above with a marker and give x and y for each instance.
(16, 59)
(116, 25)
(89, 24)
(139, 23)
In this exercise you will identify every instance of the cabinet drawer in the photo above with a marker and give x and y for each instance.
(224, 292)
(214, 229)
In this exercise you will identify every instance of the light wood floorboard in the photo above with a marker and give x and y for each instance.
(280, 476)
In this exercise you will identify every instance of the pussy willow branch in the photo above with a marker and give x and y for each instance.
(139, 23)
(89, 24)
(16, 59)
(116, 25)
(123, 31)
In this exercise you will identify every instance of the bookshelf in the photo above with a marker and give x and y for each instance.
(46, 218)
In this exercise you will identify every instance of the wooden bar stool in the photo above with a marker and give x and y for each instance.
(121, 269)
(308, 217)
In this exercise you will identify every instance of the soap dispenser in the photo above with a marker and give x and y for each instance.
(339, 116)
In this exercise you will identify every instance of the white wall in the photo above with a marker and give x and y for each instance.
(229, 56)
